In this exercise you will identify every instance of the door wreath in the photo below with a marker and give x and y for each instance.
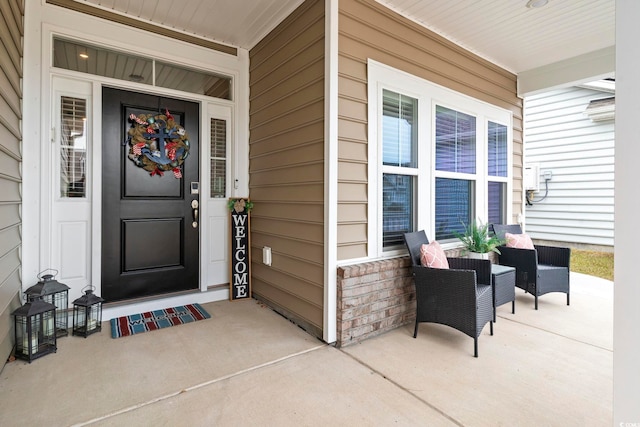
(158, 143)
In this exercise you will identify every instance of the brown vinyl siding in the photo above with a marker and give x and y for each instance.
(286, 166)
(368, 30)
(11, 42)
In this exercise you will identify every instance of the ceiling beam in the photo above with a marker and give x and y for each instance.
(591, 66)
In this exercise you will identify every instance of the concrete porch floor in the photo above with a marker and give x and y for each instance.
(249, 366)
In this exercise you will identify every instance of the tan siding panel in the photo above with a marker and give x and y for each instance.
(10, 35)
(286, 165)
(312, 132)
(368, 30)
(7, 67)
(352, 109)
(279, 121)
(349, 213)
(350, 87)
(9, 142)
(302, 230)
(352, 192)
(9, 215)
(9, 166)
(299, 174)
(298, 71)
(305, 250)
(348, 67)
(300, 212)
(9, 93)
(10, 117)
(9, 190)
(297, 98)
(355, 151)
(9, 262)
(349, 129)
(279, 158)
(289, 193)
(294, 306)
(6, 325)
(296, 277)
(9, 239)
(9, 287)
(350, 232)
(352, 171)
(11, 32)
(353, 250)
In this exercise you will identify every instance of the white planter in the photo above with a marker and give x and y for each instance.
(478, 255)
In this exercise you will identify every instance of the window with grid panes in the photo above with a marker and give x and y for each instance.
(442, 160)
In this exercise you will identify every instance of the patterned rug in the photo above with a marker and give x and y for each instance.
(157, 319)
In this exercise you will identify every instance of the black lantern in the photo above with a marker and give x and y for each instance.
(87, 314)
(56, 293)
(35, 330)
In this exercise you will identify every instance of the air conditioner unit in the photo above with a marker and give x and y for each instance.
(531, 177)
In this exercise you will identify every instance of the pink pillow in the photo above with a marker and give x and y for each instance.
(433, 256)
(520, 241)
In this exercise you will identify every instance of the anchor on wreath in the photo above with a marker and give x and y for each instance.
(158, 143)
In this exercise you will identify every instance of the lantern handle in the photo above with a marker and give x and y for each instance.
(40, 275)
(88, 288)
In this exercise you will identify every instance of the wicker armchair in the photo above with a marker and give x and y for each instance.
(538, 271)
(460, 297)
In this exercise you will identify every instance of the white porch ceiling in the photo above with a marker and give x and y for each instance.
(505, 32)
(509, 34)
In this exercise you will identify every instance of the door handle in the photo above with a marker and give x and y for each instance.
(194, 208)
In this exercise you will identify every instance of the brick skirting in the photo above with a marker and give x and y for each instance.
(374, 297)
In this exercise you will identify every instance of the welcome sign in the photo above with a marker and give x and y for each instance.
(240, 277)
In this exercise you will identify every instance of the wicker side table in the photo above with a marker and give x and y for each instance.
(503, 281)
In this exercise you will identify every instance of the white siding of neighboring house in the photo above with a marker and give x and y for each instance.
(579, 153)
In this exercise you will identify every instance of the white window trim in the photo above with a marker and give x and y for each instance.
(428, 94)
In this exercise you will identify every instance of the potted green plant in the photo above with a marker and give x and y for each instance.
(477, 241)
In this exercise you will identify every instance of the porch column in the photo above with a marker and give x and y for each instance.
(626, 317)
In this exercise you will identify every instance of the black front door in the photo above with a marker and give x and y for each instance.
(149, 227)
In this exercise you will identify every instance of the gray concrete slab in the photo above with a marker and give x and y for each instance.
(317, 388)
(249, 366)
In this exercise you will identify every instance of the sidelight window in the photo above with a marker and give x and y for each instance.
(218, 161)
(73, 147)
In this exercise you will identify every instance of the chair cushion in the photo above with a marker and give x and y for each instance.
(433, 256)
(519, 241)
